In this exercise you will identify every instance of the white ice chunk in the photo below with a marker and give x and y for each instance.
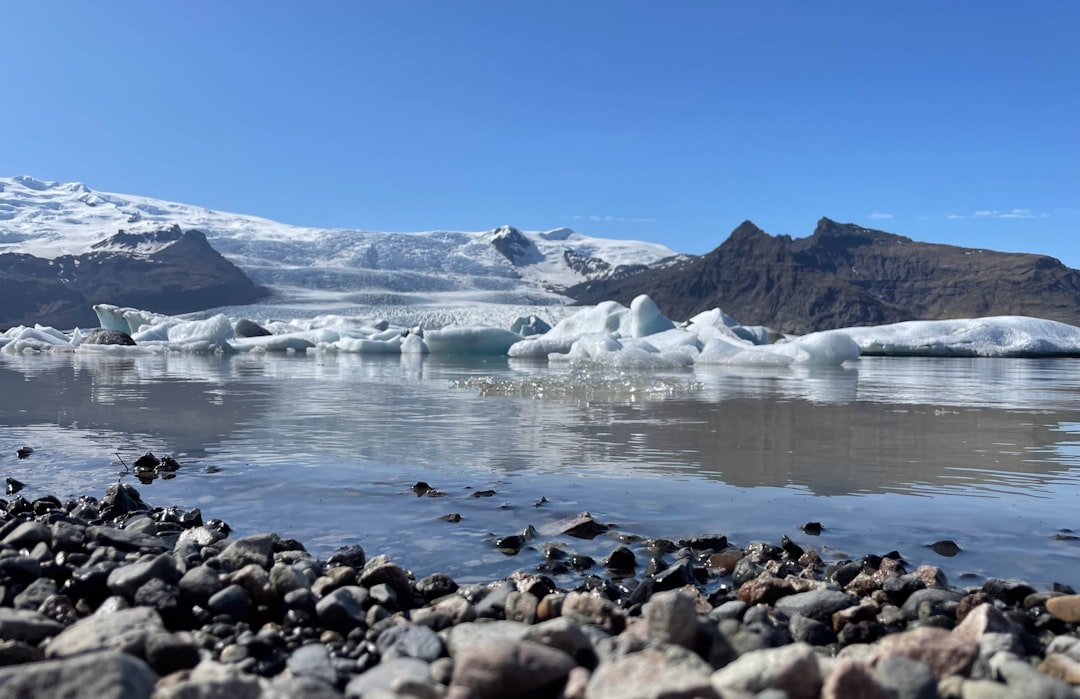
(364, 346)
(413, 344)
(128, 320)
(645, 318)
(995, 336)
(472, 341)
(22, 339)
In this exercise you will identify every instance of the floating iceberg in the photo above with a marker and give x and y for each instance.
(606, 334)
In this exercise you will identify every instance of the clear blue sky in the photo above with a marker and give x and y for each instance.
(953, 122)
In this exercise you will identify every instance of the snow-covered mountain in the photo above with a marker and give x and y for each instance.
(504, 265)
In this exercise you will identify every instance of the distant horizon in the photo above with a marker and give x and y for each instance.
(943, 122)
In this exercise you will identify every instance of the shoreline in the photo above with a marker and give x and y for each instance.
(113, 597)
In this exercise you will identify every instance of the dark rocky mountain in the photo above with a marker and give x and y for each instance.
(165, 271)
(845, 275)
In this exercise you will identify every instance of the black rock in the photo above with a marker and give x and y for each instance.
(945, 547)
(352, 555)
(436, 585)
(120, 499)
(812, 528)
(14, 486)
(233, 601)
(23, 452)
(249, 328)
(105, 336)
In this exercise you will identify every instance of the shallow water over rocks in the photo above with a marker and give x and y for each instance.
(886, 453)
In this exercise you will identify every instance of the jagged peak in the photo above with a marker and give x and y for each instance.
(506, 231)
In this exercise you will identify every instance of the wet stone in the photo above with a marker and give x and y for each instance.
(513, 668)
(819, 605)
(410, 641)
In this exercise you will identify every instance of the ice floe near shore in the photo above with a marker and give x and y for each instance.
(606, 334)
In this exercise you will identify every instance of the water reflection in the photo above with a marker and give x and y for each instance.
(889, 442)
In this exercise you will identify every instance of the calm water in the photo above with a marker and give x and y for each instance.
(887, 453)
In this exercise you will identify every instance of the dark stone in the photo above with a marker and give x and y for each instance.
(812, 528)
(105, 336)
(120, 499)
(410, 641)
(621, 560)
(249, 328)
(233, 601)
(353, 556)
(806, 630)
(945, 547)
(201, 583)
(167, 653)
(342, 610)
(818, 605)
(14, 486)
(436, 585)
(1011, 592)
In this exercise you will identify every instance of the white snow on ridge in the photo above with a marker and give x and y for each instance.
(49, 219)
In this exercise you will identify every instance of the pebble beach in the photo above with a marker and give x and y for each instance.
(112, 597)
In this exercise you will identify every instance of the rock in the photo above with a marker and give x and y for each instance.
(27, 535)
(1062, 667)
(232, 600)
(168, 652)
(851, 679)
(793, 669)
(982, 620)
(806, 630)
(343, 609)
(819, 605)
(257, 549)
(385, 676)
(941, 651)
(105, 336)
(284, 687)
(249, 328)
(312, 660)
(1023, 680)
(120, 499)
(581, 526)
(105, 675)
(352, 556)
(672, 618)
(593, 609)
(124, 630)
(906, 678)
(511, 668)
(666, 672)
(125, 580)
(565, 635)
(1065, 607)
(410, 641)
(463, 636)
(765, 589)
(27, 626)
(210, 680)
(910, 608)
(201, 583)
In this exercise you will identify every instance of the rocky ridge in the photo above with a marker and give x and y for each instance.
(114, 598)
(166, 271)
(846, 275)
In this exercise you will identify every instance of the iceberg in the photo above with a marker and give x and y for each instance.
(609, 333)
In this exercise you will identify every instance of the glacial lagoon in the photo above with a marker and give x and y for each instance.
(887, 453)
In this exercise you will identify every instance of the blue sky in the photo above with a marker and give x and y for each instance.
(673, 122)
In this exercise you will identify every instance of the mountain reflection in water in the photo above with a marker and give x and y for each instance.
(297, 439)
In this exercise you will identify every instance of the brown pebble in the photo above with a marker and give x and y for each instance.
(1066, 608)
(1062, 667)
(938, 649)
(851, 679)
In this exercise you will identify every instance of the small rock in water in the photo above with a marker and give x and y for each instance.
(483, 493)
(421, 488)
(14, 486)
(452, 517)
(581, 526)
(945, 547)
(812, 528)
(23, 452)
